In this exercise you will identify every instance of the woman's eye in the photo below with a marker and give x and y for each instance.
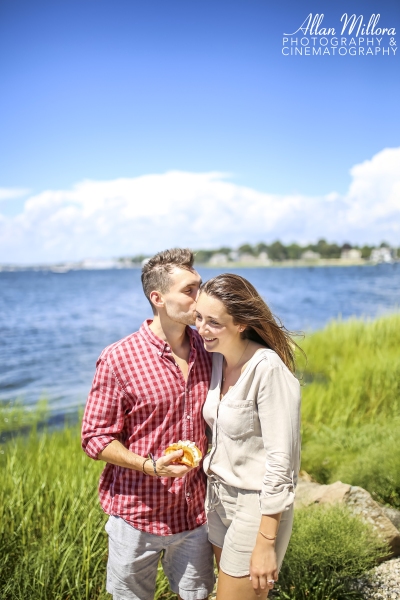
(214, 322)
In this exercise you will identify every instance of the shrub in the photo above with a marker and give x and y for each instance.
(328, 549)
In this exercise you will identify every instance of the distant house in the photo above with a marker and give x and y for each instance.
(310, 255)
(234, 255)
(98, 264)
(247, 258)
(218, 259)
(350, 254)
(382, 255)
(264, 258)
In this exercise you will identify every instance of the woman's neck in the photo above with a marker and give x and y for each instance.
(236, 354)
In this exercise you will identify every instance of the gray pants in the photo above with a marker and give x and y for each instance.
(134, 555)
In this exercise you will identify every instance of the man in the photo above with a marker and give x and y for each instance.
(147, 393)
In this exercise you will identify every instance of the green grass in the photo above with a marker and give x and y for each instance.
(367, 455)
(351, 405)
(53, 543)
(353, 373)
(52, 537)
(14, 416)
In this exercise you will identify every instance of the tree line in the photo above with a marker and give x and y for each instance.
(277, 251)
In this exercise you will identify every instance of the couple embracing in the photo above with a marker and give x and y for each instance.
(229, 386)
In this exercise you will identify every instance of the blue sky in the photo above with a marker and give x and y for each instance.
(103, 90)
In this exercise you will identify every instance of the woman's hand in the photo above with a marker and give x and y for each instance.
(263, 566)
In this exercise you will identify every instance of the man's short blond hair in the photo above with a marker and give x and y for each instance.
(156, 273)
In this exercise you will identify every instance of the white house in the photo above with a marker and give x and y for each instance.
(382, 255)
(351, 254)
(310, 255)
(218, 259)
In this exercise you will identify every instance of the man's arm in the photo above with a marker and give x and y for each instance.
(116, 454)
(103, 421)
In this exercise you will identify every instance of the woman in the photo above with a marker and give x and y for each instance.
(253, 411)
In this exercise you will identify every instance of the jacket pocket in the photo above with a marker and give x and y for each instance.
(236, 419)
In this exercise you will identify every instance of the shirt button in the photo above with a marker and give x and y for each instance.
(188, 417)
(159, 353)
(188, 495)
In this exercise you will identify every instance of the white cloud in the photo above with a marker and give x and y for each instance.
(10, 193)
(152, 212)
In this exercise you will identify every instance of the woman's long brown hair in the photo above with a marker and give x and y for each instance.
(245, 305)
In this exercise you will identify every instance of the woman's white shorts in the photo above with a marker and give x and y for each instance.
(234, 518)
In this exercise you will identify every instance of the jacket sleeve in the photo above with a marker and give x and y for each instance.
(103, 419)
(279, 412)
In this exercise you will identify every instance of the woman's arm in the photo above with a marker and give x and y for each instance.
(278, 405)
(263, 566)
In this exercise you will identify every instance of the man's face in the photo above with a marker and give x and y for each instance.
(180, 300)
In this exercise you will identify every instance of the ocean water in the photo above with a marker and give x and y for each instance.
(54, 326)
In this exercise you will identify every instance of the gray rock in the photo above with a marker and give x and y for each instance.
(382, 582)
(361, 503)
(393, 514)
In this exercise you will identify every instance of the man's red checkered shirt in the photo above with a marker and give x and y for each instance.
(139, 397)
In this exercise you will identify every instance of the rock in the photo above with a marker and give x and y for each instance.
(309, 492)
(393, 514)
(359, 501)
(382, 582)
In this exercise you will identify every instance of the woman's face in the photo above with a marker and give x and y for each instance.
(215, 326)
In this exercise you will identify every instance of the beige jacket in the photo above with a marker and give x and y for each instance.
(256, 430)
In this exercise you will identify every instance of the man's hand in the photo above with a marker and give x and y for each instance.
(116, 454)
(165, 466)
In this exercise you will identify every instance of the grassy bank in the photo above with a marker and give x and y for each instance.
(351, 406)
(52, 539)
(54, 547)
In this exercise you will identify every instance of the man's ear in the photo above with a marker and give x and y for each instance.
(156, 299)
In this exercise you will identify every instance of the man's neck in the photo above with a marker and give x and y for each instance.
(170, 331)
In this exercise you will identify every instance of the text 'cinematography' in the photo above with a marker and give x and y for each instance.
(355, 36)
